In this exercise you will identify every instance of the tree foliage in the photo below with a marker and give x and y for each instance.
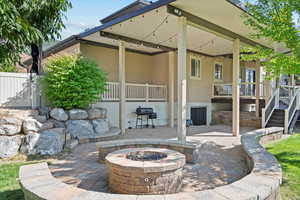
(278, 22)
(73, 82)
(26, 22)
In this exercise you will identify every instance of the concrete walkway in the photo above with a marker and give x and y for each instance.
(220, 160)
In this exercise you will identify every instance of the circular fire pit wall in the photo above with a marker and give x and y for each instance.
(145, 171)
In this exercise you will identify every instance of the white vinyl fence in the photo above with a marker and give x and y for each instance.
(19, 90)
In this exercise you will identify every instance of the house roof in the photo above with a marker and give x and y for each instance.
(128, 9)
(135, 25)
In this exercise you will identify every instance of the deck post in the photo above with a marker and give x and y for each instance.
(171, 88)
(293, 81)
(257, 90)
(122, 86)
(236, 89)
(182, 83)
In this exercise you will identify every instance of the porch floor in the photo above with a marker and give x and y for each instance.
(220, 160)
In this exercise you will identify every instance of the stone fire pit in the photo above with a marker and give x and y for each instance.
(145, 171)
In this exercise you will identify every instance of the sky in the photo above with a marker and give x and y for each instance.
(87, 13)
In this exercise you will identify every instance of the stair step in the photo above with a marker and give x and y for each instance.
(277, 117)
(276, 122)
(275, 125)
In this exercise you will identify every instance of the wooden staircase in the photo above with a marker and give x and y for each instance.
(283, 111)
(277, 119)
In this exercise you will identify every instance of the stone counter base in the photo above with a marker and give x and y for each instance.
(263, 183)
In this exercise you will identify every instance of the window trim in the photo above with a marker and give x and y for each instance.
(200, 67)
(221, 63)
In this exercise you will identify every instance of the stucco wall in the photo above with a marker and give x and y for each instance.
(142, 68)
(139, 68)
(72, 50)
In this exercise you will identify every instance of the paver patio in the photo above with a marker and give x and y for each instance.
(219, 162)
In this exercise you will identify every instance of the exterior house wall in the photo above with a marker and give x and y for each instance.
(142, 68)
(72, 50)
(139, 67)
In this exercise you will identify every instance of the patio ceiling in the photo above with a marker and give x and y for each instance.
(158, 28)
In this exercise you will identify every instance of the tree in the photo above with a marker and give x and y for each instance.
(277, 21)
(25, 24)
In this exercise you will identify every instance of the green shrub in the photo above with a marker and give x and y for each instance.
(73, 82)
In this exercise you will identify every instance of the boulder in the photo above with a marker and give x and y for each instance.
(41, 118)
(97, 113)
(80, 129)
(59, 114)
(71, 144)
(60, 131)
(29, 144)
(77, 114)
(100, 126)
(10, 126)
(9, 146)
(31, 125)
(44, 111)
(47, 125)
(57, 124)
(50, 142)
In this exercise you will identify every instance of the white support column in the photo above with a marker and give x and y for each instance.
(182, 84)
(257, 89)
(171, 88)
(122, 79)
(236, 89)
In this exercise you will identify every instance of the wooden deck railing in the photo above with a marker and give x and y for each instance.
(247, 90)
(136, 92)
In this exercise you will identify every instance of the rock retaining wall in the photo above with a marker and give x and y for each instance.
(263, 182)
(48, 132)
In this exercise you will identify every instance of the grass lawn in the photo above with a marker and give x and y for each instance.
(9, 186)
(288, 154)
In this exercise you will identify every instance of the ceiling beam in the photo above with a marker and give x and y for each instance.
(99, 44)
(135, 41)
(211, 27)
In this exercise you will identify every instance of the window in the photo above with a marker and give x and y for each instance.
(218, 71)
(195, 67)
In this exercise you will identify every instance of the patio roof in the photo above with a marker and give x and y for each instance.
(152, 29)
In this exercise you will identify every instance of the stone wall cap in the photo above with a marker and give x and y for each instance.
(144, 141)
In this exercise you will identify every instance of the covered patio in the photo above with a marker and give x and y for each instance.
(180, 28)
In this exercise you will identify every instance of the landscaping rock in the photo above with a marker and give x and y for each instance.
(44, 111)
(28, 147)
(71, 144)
(50, 142)
(57, 124)
(47, 125)
(31, 126)
(41, 118)
(10, 126)
(59, 114)
(80, 129)
(100, 126)
(97, 113)
(9, 146)
(77, 114)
